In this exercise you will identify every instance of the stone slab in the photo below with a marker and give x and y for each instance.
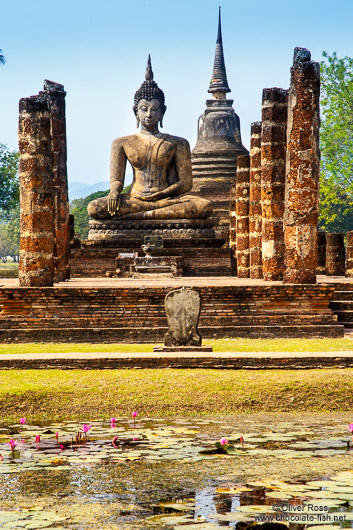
(183, 349)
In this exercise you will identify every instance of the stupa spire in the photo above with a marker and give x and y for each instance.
(219, 81)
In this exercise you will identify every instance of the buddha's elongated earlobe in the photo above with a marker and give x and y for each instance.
(137, 122)
(161, 122)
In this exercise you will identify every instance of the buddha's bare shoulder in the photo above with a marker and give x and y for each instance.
(125, 140)
(178, 141)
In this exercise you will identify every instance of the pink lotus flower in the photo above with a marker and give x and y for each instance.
(134, 414)
(134, 439)
(62, 447)
(1, 457)
(113, 422)
(12, 444)
(56, 436)
(350, 427)
(23, 421)
(242, 441)
(223, 441)
(37, 439)
(86, 428)
(114, 441)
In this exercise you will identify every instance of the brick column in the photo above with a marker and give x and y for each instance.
(349, 270)
(321, 243)
(302, 170)
(273, 159)
(255, 211)
(335, 255)
(56, 95)
(242, 216)
(36, 266)
(233, 227)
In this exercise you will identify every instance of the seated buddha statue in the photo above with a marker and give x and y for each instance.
(161, 168)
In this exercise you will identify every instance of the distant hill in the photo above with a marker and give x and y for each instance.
(79, 190)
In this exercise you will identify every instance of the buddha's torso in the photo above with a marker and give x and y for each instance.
(151, 158)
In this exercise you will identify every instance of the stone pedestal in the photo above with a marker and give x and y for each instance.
(144, 267)
(349, 269)
(255, 210)
(302, 171)
(335, 255)
(242, 214)
(36, 267)
(56, 97)
(273, 159)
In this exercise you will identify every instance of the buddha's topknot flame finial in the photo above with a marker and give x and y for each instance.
(149, 71)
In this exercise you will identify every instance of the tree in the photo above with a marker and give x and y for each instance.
(336, 144)
(9, 182)
(2, 58)
(78, 207)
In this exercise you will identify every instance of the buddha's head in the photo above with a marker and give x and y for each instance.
(149, 106)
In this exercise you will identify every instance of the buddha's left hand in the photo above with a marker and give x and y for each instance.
(154, 196)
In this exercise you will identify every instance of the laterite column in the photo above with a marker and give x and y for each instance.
(56, 95)
(233, 227)
(273, 161)
(321, 243)
(36, 266)
(349, 270)
(255, 211)
(302, 171)
(242, 216)
(335, 255)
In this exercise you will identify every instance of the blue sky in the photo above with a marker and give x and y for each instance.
(98, 51)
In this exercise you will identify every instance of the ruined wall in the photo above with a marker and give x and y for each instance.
(242, 216)
(273, 155)
(255, 210)
(302, 171)
(36, 267)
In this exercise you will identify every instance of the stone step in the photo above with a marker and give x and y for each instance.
(156, 320)
(148, 335)
(344, 316)
(341, 305)
(342, 296)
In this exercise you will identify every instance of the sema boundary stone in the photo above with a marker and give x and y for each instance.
(182, 307)
(36, 267)
(302, 171)
(273, 160)
(255, 210)
(242, 216)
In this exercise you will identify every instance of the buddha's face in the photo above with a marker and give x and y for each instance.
(149, 113)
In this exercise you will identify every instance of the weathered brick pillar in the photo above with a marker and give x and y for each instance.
(242, 216)
(349, 269)
(335, 255)
(56, 95)
(36, 266)
(233, 227)
(273, 162)
(321, 243)
(302, 171)
(255, 211)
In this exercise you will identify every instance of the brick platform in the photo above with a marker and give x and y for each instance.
(185, 360)
(123, 311)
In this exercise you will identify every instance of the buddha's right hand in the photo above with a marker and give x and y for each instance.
(113, 203)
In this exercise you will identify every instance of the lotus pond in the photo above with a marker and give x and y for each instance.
(174, 473)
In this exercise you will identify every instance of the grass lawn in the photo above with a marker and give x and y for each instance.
(219, 345)
(46, 395)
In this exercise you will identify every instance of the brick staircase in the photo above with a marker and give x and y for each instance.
(342, 305)
(137, 314)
